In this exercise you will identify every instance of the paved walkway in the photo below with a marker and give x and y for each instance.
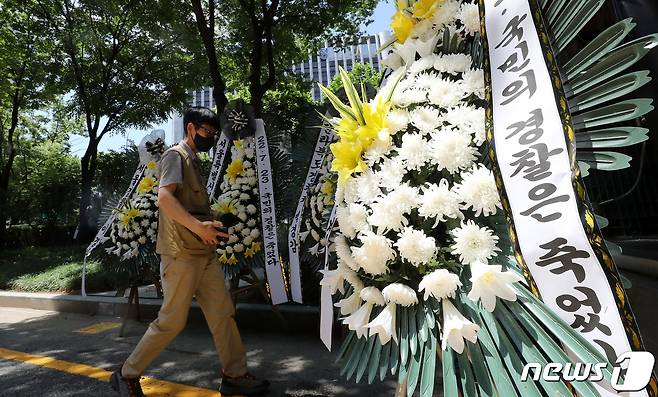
(53, 354)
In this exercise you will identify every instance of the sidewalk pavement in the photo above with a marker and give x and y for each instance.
(297, 365)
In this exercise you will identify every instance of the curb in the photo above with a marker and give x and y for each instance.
(289, 319)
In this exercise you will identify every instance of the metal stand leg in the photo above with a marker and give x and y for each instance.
(133, 298)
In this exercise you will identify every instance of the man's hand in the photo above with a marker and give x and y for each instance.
(209, 234)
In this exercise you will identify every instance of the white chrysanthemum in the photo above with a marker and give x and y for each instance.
(375, 253)
(413, 151)
(391, 172)
(352, 278)
(445, 93)
(415, 246)
(378, 149)
(452, 150)
(439, 202)
(439, 284)
(344, 222)
(456, 328)
(468, 119)
(474, 243)
(445, 13)
(404, 98)
(366, 186)
(478, 191)
(400, 294)
(426, 119)
(398, 120)
(344, 253)
(358, 217)
(373, 296)
(421, 65)
(473, 82)
(453, 63)
(469, 15)
(489, 282)
(387, 215)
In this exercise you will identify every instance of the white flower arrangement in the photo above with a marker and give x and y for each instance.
(317, 209)
(415, 199)
(239, 197)
(136, 223)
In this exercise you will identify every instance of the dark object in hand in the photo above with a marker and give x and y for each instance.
(229, 220)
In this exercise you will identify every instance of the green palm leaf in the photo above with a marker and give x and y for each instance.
(611, 137)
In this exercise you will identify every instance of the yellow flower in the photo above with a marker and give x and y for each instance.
(376, 121)
(402, 24)
(347, 129)
(223, 259)
(146, 184)
(128, 214)
(256, 247)
(327, 187)
(347, 159)
(248, 253)
(225, 207)
(239, 144)
(151, 165)
(235, 169)
(424, 9)
(232, 260)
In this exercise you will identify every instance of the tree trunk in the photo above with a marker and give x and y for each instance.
(86, 226)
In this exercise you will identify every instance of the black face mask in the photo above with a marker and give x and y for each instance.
(203, 143)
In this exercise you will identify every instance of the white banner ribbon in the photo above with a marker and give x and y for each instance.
(535, 160)
(221, 148)
(268, 218)
(324, 139)
(326, 303)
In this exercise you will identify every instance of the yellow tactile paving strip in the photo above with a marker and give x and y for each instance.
(98, 328)
(152, 387)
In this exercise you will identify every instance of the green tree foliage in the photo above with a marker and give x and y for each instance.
(128, 64)
(361, 73)
(253, 42)
(27, 74)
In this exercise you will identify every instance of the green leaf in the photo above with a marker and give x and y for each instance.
(414, 371)
(615, 113)
(599, 47)
(615, 62)
(575, 17)
(384, 359)
(354, 357)
(547, 344)
(365, 357)
(374, 361)
(584, 168)
(510, 357)
(346, 344)
(450, 373)
(568, 336)
(466, 376)
(429, 317)
(413, 335)
(490, 353)
(609, 90)
(601, 221)
(604, 161)
(395, 358)
(344, 110)
(530, 349)
(429, 366)
(352, 95)
(404, 337)
(552, 12)
(421, 323)
(611, 137)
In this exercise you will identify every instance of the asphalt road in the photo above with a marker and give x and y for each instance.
(297, 365)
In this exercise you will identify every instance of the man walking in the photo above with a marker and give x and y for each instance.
(187, 237)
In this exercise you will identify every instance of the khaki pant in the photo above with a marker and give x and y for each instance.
(183, 278)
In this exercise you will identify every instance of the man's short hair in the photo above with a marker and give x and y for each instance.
(200, 115)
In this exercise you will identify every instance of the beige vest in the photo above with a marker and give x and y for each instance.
(173, 238)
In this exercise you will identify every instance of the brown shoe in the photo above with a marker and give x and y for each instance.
(125, 387)
(246, 385)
